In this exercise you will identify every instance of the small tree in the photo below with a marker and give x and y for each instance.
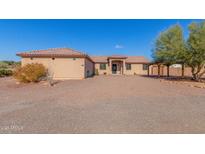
(196, 49)
(169, 46)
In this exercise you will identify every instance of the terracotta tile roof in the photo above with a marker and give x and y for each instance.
(53, 52)
(137, 59)
(67, 52)
(129, 59)
(117, 56)
(99, 59)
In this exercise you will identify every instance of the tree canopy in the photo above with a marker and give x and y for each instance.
(170, 48)
(196, 49)
(169, 45)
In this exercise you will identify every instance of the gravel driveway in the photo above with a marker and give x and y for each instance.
(102, 104)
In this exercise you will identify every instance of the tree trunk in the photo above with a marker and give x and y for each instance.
(182, 70)
(167, 70)
(148, 70)
(195, 73)
(158, 70)
(196, 77)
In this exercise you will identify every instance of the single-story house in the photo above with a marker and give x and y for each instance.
(65, 63)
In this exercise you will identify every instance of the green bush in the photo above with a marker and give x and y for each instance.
(4, 73)
(30, 73)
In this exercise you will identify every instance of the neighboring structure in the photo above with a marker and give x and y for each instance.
(65, 63)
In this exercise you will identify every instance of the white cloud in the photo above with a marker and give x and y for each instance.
(118, 46)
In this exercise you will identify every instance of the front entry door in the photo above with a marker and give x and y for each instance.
(114, 68)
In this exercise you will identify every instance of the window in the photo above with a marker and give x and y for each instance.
(128, 67)
(74, 58)
(53, 58)
(145, 67)
(31, 58)
(102, 66)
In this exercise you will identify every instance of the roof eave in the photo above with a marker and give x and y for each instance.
(137, 62)
(23, 55)
(116, 57)
(50, 56)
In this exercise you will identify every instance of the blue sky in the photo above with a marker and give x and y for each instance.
(95, 37)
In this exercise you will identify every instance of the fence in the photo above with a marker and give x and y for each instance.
(173, 71)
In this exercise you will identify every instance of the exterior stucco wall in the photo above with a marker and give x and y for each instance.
(89, 68)
(136, 69)
(61, 68)
(78, 68)
(44, 61)
(107, 71)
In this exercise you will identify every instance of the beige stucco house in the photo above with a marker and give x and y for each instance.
(65, 63)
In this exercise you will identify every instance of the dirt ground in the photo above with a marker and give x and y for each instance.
(102, 104)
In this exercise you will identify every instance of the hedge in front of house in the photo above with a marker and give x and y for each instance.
(30, 73)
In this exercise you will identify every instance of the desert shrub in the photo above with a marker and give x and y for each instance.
(96, 72)
(8, 65)
(30, 73)
(4, 72)
(9, 62)
(3, 65)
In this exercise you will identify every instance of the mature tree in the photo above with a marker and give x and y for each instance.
(196, 49)
(169, 47)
